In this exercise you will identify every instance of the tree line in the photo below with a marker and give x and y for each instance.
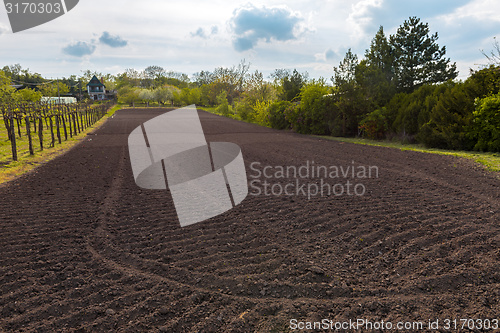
(404, 88)
(33, 85)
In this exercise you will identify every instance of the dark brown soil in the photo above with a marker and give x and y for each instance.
(83, 249)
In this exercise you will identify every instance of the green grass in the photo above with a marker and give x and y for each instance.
(211, 109)
(10, 170)
(490, 160)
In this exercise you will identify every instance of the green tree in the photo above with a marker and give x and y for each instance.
(486, 124)
(129, 95)
(53, 89)
(449, 118)
(147, 96)
(13, 71)
(176, 97)
(244, 108)
(292, 84)
(381, 55)
(418, 58)
(261, 113)
(194, 96)
(203, 78)
(484, 82)
(162, 95)
(231, 80)
(277, 115)
(256, 89)
(411, 111)
(312, 106)
(349, 97)
(27, 95)
(374, 125)
(223, 107)
(185, 96)
(6, 90)
(154, 76)
(130, 77)
(22, 76)
(375, 74)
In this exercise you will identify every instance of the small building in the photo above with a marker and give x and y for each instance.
(58, 100)
(96, 89)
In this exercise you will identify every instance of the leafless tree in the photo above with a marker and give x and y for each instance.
(494, 55)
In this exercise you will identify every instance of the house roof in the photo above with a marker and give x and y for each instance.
(94, 82)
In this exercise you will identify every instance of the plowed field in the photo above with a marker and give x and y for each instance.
(83, 249)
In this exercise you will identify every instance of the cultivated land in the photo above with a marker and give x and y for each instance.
(83, 249)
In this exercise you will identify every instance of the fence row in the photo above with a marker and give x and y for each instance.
(63, 120)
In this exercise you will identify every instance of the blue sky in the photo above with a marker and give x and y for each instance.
(193, 35)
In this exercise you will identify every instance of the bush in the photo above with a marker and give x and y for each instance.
(310, 117)
(128, 95)
(374, 125)
(486, 124)
(261, 113)
(277, 116)
(295, 117)
(449, 120)
(244, 110)
(485, 82)
(224, 108)
(409, 112)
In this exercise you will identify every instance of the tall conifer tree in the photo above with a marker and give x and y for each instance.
(418, 58)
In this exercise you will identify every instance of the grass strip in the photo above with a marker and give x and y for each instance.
(490, 160)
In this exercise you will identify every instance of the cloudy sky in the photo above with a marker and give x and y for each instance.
(193, 35)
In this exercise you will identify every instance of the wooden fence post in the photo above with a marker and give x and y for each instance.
(74, 123)
(28, 133)
(69, 123)
(13, 136)
(53, 142)
(81, 120)
(40, 131)
(64, 128)
(58, 129)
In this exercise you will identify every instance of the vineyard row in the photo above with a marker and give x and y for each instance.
(62, 120)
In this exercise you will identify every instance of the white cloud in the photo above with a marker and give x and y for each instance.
(112, 41)
(79, 49)
(328, 55)
(251, 24)
(3, 29)
(200, 35)
(480, 10)
(361, 16)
